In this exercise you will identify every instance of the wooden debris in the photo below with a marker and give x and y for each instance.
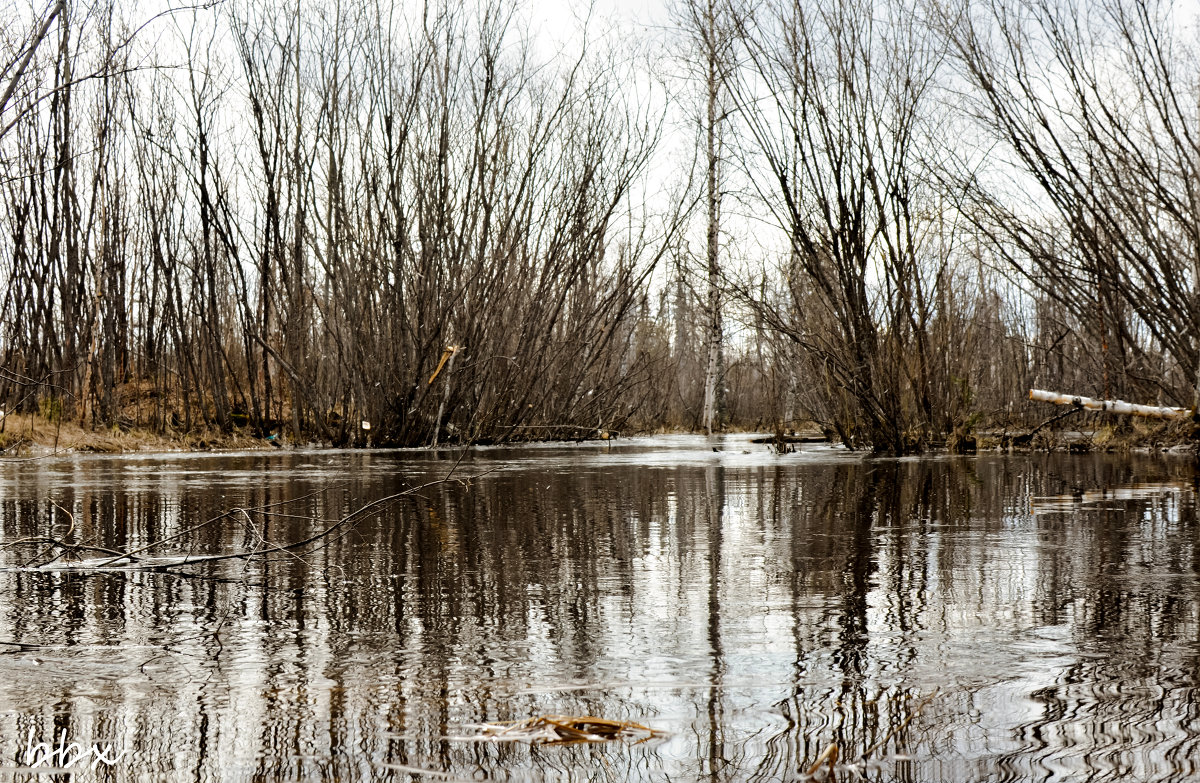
(829, 756)
(563, 730)
(1110, 406)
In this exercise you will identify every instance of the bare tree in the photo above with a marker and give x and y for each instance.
(14, 70)
(1098, 112)
(360, 223)
(833, 100)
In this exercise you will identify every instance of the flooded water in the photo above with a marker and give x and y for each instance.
(1029, 617)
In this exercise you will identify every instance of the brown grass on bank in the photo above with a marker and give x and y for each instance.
(26, 435)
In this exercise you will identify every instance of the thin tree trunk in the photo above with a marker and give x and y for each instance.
(713, 382)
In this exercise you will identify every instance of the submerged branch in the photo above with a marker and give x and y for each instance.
(138, 559)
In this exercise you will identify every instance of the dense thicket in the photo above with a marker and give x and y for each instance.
(319, 219)
(421, 219)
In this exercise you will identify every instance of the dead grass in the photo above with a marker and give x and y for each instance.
(26, 435)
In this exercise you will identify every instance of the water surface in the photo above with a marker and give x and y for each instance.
(996, 617)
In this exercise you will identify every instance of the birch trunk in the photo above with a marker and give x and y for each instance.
(713, 384)
(1110, 406)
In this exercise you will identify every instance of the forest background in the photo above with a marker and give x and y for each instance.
(404, 224)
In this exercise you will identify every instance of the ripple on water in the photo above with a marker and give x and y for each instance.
(989, 618)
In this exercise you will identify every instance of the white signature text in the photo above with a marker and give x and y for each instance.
(64, 755)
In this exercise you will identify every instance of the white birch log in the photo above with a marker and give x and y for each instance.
(1111, 406)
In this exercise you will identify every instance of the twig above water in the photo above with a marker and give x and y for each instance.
(826, 766)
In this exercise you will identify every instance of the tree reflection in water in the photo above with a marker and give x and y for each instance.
(758, 607)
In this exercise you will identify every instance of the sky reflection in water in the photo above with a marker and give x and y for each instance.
(755, 606)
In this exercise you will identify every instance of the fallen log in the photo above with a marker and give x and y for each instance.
(1110, 406)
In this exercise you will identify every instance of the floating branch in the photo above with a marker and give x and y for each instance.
(830, 757)
(562, 730)
(1110, 406)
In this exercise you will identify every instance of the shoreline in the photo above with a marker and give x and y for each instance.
(25, 436)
